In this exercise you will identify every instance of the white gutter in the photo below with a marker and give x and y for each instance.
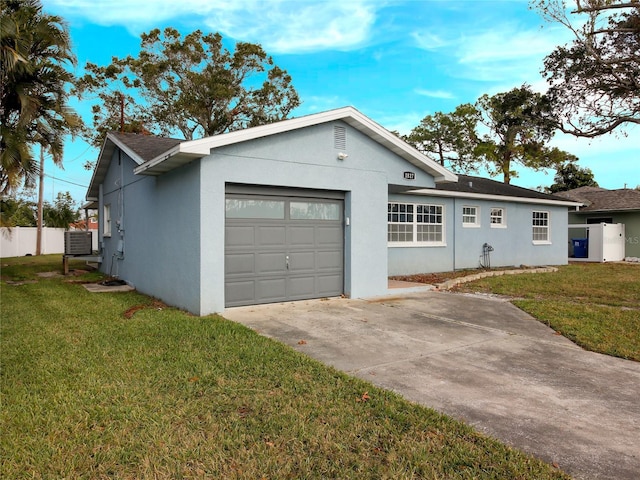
(481, 196)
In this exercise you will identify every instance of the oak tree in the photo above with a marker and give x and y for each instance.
(569, 176)
(191, 85)
(595, 80)
(449, 137)
(519, 124)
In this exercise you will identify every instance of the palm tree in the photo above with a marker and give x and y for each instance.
(34, 49)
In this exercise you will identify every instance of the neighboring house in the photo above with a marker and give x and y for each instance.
(316, 206)
(82, 224)
(599, 205)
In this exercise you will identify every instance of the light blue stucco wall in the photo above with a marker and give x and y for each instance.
(159, 230)
(512, 246)
(306, 158)
(173, 225)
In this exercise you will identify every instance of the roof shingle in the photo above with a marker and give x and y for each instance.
(147, 147)
(485, 186)
(601, 200)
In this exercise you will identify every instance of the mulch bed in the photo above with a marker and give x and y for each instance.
(434, 278)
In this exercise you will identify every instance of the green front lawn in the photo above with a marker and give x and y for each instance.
(116, 385)
(597, 305)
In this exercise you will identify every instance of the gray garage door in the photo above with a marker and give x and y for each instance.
(280, 248)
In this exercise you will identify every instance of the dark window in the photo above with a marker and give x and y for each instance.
(600, 220)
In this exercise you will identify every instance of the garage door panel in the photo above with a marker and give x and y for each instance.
(301, 287)
(301, 236)
(271, 236)
(239, 235)
(300, 261)
(270, 289)
(239, 264)
(329, 260)
(271, 263)
(329, 236)
(329, 285)
(239, 293)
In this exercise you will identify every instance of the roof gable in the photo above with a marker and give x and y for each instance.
(146, 147)
(188, 150)
(140, 148)
(157, 155)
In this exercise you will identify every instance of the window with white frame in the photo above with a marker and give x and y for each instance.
(540, 224)
(470, 216)
(498, 217)
(415, 224)
(107, 221)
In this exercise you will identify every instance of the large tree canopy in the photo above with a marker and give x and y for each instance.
(496, 133)
(570, 176)
(34, 50)
(595, 80)
(520, 123)
(450, 138)
(191, 85)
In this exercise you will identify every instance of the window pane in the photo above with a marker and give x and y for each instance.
(469, 215)
(243, 208)
(314, 211)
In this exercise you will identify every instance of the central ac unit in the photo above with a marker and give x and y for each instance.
(77, 243)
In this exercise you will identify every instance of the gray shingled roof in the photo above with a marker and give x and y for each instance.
(484, 186)
(147, 146)
(600, 200)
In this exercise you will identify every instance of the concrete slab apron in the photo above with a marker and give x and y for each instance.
(481, 360)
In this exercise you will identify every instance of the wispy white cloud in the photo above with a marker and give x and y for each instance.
(430, 41)
(402, 123)
(505, 52)
(281, 26)
(435, 93)
(316, 103)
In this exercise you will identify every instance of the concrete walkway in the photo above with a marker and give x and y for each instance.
(482, 360)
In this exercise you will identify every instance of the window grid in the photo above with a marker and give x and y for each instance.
(497, 217)
(414, 223)
(469, 215)
(540, 223)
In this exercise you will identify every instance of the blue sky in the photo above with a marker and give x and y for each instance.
(395, 61)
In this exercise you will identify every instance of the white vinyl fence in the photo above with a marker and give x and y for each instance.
(21, 241)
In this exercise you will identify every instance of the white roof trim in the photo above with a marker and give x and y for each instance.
(104, 159)
(199, 148)
(480, 196)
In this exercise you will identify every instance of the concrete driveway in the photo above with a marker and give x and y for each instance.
(482, 360)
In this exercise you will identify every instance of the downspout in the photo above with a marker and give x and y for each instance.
(120, 245)
(454, 234)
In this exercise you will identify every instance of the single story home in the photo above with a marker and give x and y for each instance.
(598, 205)
(322, 205)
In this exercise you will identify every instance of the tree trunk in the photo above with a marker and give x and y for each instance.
(40, 195)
